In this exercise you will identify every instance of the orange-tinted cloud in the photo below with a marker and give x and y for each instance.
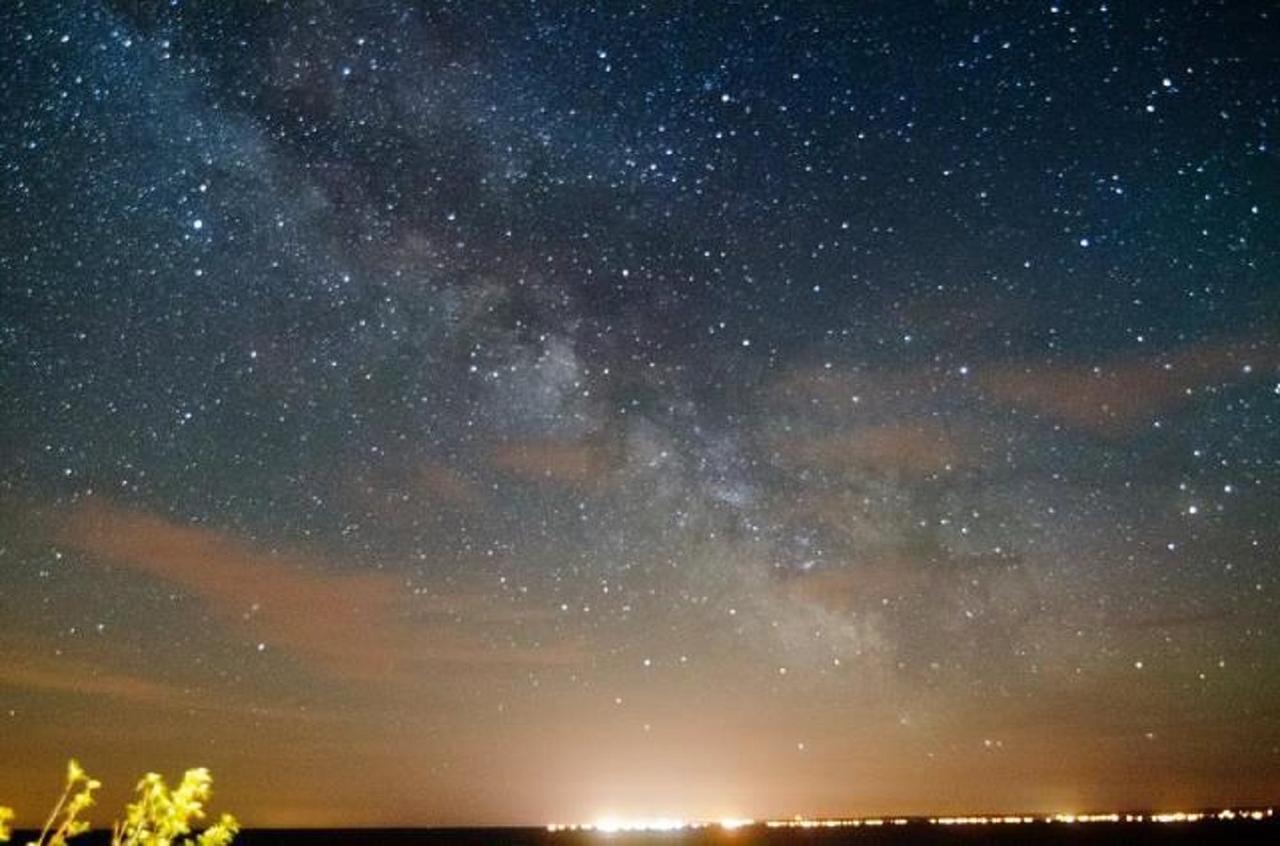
(29, 669)
(1108, 398)
(445, 485)
(813, 388)
(848, 588)
(564, 462)
(339, 622)
(919, 448)
(1114, 397)
(352, 626)
(82, 679)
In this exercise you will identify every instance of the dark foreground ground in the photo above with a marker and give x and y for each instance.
(1095, 834)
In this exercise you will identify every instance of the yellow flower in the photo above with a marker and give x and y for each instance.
(75, 772)
(219, 834)
(160, 815)
(158, 818)
(57, 833)
(6, 814)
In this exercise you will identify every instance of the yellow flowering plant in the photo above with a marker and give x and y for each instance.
(64, 821)
(159, 817)
(162, 815)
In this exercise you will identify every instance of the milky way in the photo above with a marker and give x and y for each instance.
(484, 413)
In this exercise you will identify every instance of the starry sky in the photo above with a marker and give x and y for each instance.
(508, 412)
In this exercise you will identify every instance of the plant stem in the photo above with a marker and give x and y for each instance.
(53, 816)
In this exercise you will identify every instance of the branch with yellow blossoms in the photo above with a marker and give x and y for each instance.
(161, 816)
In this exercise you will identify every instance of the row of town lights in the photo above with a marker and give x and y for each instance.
(611, 825)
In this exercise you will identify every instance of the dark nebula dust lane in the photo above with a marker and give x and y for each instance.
(449, 413)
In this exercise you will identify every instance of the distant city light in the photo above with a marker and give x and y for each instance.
(612, 825)
(732, 824)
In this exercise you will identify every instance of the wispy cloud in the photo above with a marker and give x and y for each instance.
(31, 670)
(1112, 397)
(25, 671)
(564, 462)
(917, 448)
(443, 484)
(359, 627)
(1109, 397)
(339, 622)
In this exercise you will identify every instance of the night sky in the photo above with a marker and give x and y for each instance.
(483, 413)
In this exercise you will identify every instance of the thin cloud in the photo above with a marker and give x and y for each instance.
(26, 671)
(355, 627)
(910, 448)
(563, 462)
(1114, 397)
(443, 484)
(88, 680)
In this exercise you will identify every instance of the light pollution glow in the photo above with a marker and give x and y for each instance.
(614, 825)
